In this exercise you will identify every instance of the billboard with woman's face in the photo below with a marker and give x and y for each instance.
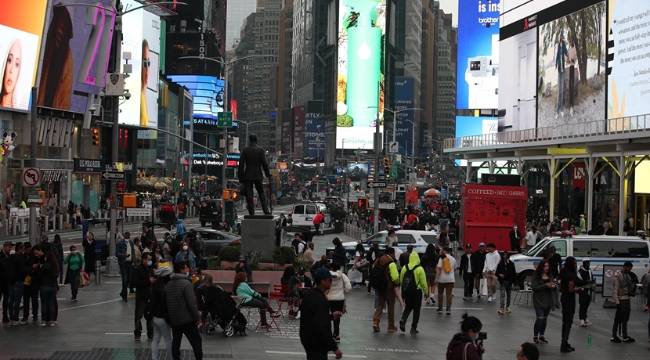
(21, 26)
(77, 42)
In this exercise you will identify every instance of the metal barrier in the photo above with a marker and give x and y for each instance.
(616, 126)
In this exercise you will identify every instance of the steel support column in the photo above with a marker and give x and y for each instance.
(591, 170)
(621, 194)
(468, 173)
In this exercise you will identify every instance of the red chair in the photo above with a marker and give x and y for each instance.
(278, 294)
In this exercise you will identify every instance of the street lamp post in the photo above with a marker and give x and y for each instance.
(395, 113)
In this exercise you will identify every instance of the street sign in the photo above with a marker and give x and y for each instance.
(34, 199)
(142, 212)
(224, 119)
(378, 185)
(110, 175)
(31, 177)
(387, 206)
(393, 147)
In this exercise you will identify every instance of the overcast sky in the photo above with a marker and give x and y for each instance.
(450, 6)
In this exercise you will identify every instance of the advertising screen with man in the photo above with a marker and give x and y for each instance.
(21, 26)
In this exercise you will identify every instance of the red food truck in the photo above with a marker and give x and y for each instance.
(488, 213)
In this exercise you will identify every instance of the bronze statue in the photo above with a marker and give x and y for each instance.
(252, 168)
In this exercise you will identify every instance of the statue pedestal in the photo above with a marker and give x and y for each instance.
(258, 235)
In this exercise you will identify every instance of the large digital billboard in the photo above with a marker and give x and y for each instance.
(208, 95)
(76, 52)
(404, 99)
(478, 54)
(571, 70)
(629, 77)
(141, 31)
(21, 26)
(360, 95)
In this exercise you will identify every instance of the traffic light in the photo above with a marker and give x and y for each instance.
(387, 166)
(95, 136)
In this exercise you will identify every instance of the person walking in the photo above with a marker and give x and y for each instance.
(466, 345)
(141, 280)
(124, 250)
(339, 256)
(75, 263)
(183, 311)
(383, 279)
(315, 330)
(492, 259)
(568, 290)
(544, 289)
(89, 253)
(586, 281)
(58, 250)
(159, 312)
(478, 263)
(429, 263)
(445, 278)
(506, 274)
(467, 273)
(413, 280)
(645, 282)
(336, 297)
(624, 290)
(515, 239)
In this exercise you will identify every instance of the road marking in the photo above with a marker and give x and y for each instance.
(90, 305)
(118, 333)
(455, 309)
(302, 354)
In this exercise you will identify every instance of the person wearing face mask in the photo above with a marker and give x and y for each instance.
(141, 279)
(466, 345)
(585, 280)
(75, 262)
(186, 255)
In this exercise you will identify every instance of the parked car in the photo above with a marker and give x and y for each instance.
(419, 239)
(214, 240)
(600, 249)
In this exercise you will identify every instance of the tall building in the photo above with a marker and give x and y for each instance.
(251, 81)
(283, 89)
(313, 75)
(238, 11)
(445, 49)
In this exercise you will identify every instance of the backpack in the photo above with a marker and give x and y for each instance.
(446, 265)
(121, 250)
(378, 277)
(409, 285)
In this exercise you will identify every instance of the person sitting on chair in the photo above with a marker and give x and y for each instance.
(252, 298)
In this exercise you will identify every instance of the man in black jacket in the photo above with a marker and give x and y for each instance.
(466, 270)
(252, 168)
(478, 263)
(183, 311)
(315, 328)
(141, 279)
(6, 279)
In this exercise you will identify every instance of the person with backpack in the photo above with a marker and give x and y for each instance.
(624, 290)
(75, 262)
(413, 280)
(445, 278)
(383, 279)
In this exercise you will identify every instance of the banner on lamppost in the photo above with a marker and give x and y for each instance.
(403, 100)
(314, 146)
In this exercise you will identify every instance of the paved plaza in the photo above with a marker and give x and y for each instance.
(100, 326)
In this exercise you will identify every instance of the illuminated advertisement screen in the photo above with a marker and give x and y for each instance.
(478, 54)
(357, 170)
(207, 92)
(360, 94)
(629, 77)
(76, 50)
(471, 126)
(21, 26)
(571, 70)
(141, 31)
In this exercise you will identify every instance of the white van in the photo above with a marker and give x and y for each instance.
(601, 249)
(303, 215)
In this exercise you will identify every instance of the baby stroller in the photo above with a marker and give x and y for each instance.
(221, 310)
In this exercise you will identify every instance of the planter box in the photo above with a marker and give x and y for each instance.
(263, 266)
(228, 265)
